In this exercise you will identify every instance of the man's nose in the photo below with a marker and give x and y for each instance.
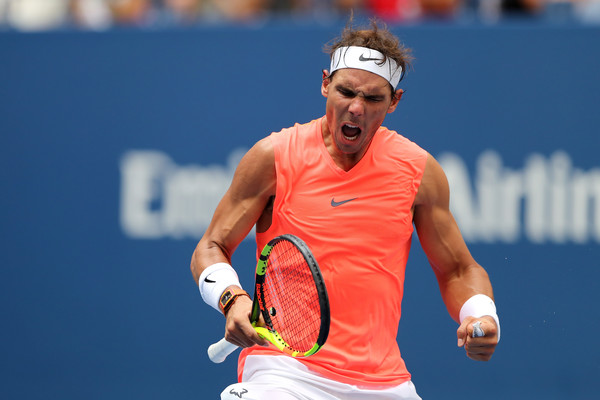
(357, 106)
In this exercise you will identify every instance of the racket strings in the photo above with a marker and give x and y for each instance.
(291, 298)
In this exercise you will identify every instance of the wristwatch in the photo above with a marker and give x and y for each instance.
(228, 298)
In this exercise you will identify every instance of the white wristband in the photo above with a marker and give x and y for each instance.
(213, 282)
(478, 306)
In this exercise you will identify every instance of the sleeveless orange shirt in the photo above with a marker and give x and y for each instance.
(358, 225)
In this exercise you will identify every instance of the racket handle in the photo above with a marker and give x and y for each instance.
(477, 330)
(218, 352)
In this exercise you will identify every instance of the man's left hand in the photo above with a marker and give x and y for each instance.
(478, 348)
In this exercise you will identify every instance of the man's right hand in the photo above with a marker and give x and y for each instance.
(238, 329)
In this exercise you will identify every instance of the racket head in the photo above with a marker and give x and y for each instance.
(291, 296)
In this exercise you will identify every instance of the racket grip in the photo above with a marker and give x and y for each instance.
(477, 331)
(218, 352)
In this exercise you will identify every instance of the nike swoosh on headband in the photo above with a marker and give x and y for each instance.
(363, 58)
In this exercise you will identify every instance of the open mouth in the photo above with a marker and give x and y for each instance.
(350, 132)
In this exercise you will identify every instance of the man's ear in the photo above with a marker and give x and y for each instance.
(325, 83)
(395, 101)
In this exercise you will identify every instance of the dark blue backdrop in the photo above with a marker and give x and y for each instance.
(92, 310)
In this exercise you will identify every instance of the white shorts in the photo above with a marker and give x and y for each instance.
(283, 378)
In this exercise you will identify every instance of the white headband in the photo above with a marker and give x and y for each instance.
(368, 60)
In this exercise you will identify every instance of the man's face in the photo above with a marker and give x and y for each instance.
(357, 103)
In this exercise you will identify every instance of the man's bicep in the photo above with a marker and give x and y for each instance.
(440, 238)
(438, 231)
(255, 174)
(244, 202)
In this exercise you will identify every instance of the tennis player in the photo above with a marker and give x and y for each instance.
(352, 190)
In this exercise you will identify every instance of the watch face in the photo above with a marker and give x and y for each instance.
(226, 297)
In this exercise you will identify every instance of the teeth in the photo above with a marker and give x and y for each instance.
(351, 138)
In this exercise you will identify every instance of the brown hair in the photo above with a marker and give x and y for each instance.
(376, 38)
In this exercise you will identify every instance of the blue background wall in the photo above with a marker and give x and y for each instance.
(91, 311)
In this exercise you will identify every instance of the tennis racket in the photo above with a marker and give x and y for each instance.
(290, 295)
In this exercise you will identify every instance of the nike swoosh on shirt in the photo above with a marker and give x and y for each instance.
(209, 280)
(339, 203)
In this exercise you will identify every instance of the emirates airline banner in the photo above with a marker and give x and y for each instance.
(117, 146)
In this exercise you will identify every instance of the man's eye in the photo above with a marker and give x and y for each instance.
(346, 92)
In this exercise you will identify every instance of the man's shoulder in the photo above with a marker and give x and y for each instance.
(299, 128)
(400, 146)
(396, 136)
(297, 136)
